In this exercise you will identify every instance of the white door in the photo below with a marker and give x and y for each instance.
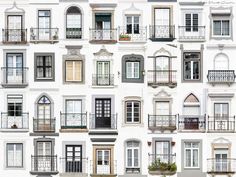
(221, 162)
(14, 68)
(163, 113)
(162, 69)
(103, 73)
(107, 33)
(44, 24)
(162, 151)
(44, 156)
(14, 28)
(162, 23)
(103, 162)
(44, 117)
(73, 113)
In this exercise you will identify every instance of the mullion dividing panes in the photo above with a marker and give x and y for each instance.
(132, 111)
(44, 67)
(14, 155)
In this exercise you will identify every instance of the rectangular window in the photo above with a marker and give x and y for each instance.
(132, 24)
(44, 24)
(14, 105)
(191, 22)
(74, 70)
(192, 65)
(191, 155)
(132, 69)
(162, 151)
(132, 150)
(14, 155)
(44, 67)
(132, 111)
(221, 110)
(221, 25)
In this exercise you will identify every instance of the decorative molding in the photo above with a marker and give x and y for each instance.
(192, 3)
(14, 9)
(221, 95)
(103, 52)
(162, 94)
(132, 10)
(160, 51)
(221, 140)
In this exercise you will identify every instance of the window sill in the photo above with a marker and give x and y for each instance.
(132, 125)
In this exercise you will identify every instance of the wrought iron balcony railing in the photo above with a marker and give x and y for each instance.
(14, 76)
(103, 80)
(162, 164)
(162, 77)
(132, 35)
(103, 35)
(73, 33)
(14, 120)
(162, 32)
(192, 122)
(44, 163)
(73, 120)
(14, 36)
(162, 122)
(74, 165)
(221, 76)
(44, 125)
(221, 165)
(191, 33)
(103, 122)
(221, 124)
(44, 35)
(103, 167)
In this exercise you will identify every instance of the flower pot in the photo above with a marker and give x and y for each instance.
(125, 39)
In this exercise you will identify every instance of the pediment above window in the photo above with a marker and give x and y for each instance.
(73, 52)
(103, 53)
(221, 141)
(132, 10)
(162, 94)
(162, 52)
(14, 9)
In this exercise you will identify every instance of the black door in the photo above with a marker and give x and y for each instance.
(73, 158)
(103, 113)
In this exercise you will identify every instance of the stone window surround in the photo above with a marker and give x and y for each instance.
(52, 140)
(183, 154)
(201, 64)
(35, 67)
(230, 37)
(14, 51)
(154, 140)
(140, 154)
(133, 57)
(162, 6)
(5, 155)
(132, 98)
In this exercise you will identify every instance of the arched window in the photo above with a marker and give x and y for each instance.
(221, 62)
(133, 156)
(73, 23)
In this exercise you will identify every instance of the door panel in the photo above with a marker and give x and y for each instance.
(162, 22)
(103, 164)
(103, 113)
(14, 27)
(14, 68)
(103, 73)
(73, 158)
(73, 112)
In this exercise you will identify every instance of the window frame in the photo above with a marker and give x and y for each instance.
(132, 58)
(73, 70)
(132, 112)
(36, 78)
(220, 17)
(191, 155)
(16, 97)
(22, 154)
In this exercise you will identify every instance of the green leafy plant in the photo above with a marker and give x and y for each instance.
(124, 36)
(157, 165)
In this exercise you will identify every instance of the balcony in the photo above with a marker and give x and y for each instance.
(221, 166)
(193, 123)
(103, 80)
(192, 33)
(14, 36)
(73, 121)
(162, 122)
(162, 164)
(162, 33)
(47, 35)
(14, 77)
(103, 168)
(18, 121)
(162, 78)
(73, 33)
(221, 77)
(126, 35)
(44, 165)
(73, 166)
(44, 125)
(103, 36)
(221, 124)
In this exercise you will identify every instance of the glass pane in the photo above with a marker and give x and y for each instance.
(188, 158)
(225, 27)
(217, 27)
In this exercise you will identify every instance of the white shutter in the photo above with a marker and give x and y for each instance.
(191, 110)
(162, 17)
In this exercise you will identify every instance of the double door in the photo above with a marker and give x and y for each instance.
(162, 23)
(44, 159)
(103, 161)
(14, 68)
(103, 113)
(14, 28)
(73, 158)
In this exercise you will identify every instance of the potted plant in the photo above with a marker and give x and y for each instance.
(124, 37)
(162, 168)
(55, 36)
(14, 126)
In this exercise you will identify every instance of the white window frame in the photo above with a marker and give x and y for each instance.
(132, 117)
(221, 18)
(132, 22)
(191, 150)
(14, 156)
(132, 70)
(191, 20)
(132, 151)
